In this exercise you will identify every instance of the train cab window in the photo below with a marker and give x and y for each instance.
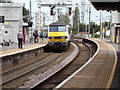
(53, 28)
(61, 28)
(57, 28)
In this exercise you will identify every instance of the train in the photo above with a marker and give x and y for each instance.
(59, 35)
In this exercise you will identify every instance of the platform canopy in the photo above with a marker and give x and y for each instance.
(106, 4)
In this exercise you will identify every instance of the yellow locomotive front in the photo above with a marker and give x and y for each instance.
(58, 35)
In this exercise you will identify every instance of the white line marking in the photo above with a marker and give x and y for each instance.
(66, 80)
(22, 51)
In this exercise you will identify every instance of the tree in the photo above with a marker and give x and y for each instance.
(76, 18)
(82, 27)
(95, 26)
(25, 13)
(106, 24)
(64, 18)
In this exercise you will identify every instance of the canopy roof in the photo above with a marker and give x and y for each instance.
(106, 4)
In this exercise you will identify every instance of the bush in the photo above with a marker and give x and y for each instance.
(96, 36)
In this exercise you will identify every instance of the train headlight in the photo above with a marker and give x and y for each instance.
(50, 43)
(64, 43)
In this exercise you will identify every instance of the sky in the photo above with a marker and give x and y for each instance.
(95, 15)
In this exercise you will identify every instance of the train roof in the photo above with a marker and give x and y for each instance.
(61, 23)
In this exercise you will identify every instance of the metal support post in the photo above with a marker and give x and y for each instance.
(39, 16)
(86, 29)
(58, 14)
(93, 31)
(30, 10)
(30, 20)
(36, 15)
(100, 23)
(78, 24)
(89, 21)
(43, 18)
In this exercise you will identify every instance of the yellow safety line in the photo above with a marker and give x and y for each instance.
(113, 70)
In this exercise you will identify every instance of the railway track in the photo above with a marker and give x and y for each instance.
(97, 72)
(15, 73)
(16, 77)
(81, 59)
(56, 69)
(20, 66)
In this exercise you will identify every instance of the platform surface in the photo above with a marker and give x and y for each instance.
(98, 72)
(12, 49)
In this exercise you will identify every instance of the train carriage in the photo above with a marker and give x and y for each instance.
(59, 35)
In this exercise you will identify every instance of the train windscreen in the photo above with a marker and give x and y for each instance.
(61, 28)
(57, 28)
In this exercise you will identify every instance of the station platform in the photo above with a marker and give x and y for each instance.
(12, 49)
(11, 54)
(98, 72)
(117, 73)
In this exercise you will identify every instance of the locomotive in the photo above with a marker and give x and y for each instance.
(59, 35)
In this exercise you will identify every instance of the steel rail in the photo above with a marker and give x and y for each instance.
(8, 80)
(67, 71)
(71, 76)
(39, 79)
(22, 66)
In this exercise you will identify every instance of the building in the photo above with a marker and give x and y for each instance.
(114, 7)
(13, 19)
(84, 34)
(115, 26)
